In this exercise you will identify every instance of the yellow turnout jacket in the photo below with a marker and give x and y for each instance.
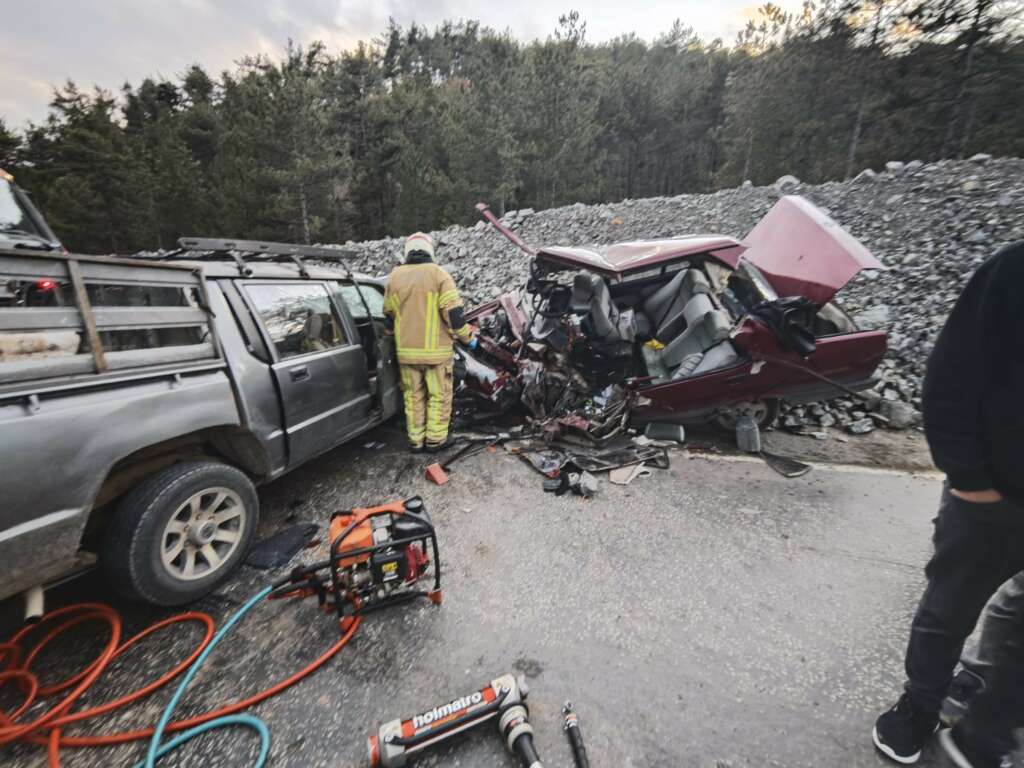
(419, 298)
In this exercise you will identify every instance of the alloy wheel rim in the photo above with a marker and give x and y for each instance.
(203, 534)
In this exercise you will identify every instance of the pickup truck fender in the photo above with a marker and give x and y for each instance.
(83, 436)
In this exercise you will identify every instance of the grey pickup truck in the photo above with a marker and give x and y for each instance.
(141, 402)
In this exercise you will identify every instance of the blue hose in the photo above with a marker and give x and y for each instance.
(158, 750)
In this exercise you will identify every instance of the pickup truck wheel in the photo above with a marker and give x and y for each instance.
(180, 533)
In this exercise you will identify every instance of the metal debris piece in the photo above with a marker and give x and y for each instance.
(748, 434)
(587, 485)
(626, 475)
(602, 461)
(784, 465)
(660, 430)
(546, 462)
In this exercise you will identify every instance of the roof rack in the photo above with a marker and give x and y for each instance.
(266, 251)
(242, 251)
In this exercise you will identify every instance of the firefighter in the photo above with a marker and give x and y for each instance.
(425, 314)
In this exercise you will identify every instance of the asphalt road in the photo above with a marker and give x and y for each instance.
(715, 614)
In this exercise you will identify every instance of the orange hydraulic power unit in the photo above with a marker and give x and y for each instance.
(378, 557)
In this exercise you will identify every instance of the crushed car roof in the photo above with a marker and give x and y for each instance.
(623, 258)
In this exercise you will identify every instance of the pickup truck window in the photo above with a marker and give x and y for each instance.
(298, 316)
(372, 295)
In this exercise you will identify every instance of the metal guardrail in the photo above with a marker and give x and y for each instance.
(78, 272)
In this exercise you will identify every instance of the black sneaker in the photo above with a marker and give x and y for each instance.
(965, 686)
(963, 756)
(416, 449)
(902, 732)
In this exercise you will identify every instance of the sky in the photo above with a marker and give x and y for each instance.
(108, 42)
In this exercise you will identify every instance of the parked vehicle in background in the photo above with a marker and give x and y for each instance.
(141, 402)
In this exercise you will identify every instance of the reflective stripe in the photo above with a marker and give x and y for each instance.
(415, 431)
(433, 401)
(435, 328)
(413, 356)
(431, 316)
(449, 298)
(437, 424)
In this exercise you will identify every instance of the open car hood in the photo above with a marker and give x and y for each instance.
(620, 259)
(803, 252)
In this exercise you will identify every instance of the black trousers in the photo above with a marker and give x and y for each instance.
(978, 547)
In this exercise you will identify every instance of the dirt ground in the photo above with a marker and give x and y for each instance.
(883, 448)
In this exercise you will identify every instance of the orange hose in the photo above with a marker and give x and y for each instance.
(14, 732)
(46, 729)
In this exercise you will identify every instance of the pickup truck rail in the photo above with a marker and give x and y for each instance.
(83, 299)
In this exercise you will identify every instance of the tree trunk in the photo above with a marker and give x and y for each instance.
(305, 213)
(964, 79)
(746, 162)
(851, 156)
(968, 128)
(858, 124)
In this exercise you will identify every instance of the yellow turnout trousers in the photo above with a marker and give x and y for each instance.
(427, 391)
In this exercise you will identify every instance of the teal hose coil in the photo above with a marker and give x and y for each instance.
(157, 750)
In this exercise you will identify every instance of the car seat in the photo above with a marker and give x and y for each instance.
(590, 297)
(312, 331)
(662, 310)
(706, 327)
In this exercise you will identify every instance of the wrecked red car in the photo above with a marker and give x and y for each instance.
(686, 329)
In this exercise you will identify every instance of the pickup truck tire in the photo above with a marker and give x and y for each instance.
(178, 534)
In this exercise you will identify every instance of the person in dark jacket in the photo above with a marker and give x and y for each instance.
(974, 423)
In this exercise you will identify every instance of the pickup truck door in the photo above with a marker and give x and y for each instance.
(379, 345)
(319, 370)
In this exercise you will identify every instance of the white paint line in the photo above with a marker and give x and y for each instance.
(845, 468)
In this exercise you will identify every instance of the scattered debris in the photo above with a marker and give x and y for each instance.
(784, 465)
(277, 550)
(373, 445)
(603, 461)
(658, 430)
(572, 468)
(626, 475)
(437, 472)
(748, 434)
(584, 484)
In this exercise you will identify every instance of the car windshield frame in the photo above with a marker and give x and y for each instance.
(32, 225)
(11, 203)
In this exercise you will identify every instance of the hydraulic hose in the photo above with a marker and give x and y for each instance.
(527, 752)
(217, 722)
(46, 729)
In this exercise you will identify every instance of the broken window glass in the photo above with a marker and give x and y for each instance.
(371, 293)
